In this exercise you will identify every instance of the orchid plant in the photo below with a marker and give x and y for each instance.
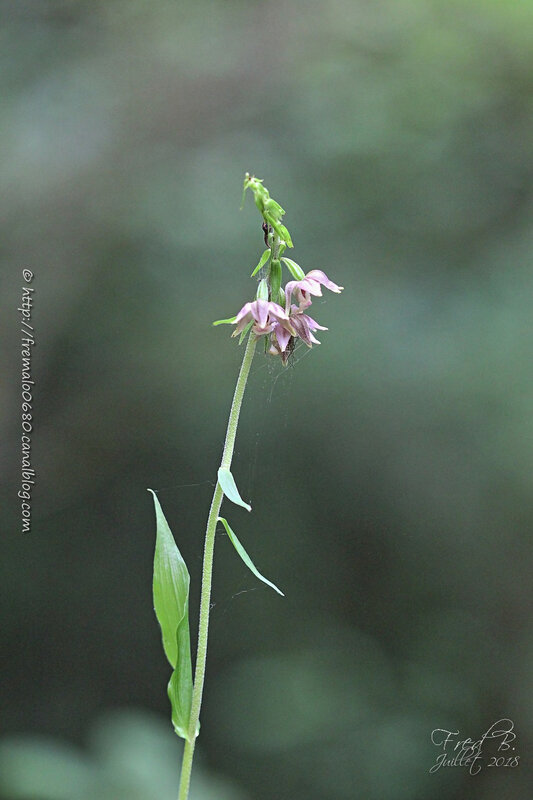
(280, 322)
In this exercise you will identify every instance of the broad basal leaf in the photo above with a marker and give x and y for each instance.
(246, 558)
(229, 487)
(171, 604)
(180, 685)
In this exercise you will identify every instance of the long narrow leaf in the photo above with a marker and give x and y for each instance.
(246, 558)
(229, 487)
(171, 605)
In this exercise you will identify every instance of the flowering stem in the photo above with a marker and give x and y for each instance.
(207, 570)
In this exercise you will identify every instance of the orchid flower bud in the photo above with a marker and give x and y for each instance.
(275, 279)
(262, 290)
(274, 210)
(261, 195)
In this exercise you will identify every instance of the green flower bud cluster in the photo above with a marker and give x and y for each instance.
(277, 239)
(270, 210)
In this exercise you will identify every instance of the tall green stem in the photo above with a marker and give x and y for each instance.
(207, 571)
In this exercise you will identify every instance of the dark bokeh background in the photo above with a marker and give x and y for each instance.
(389, 469)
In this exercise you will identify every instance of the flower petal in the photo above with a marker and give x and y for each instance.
(282, 337)
(242, 323)
(312, 325)
(289, 289)
(301, 328)
(277, 311)
(321, 277)
(311, 286)
(245, 310)
(260, 312)
(261, 330)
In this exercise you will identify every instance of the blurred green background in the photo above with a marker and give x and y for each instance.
(390, 469)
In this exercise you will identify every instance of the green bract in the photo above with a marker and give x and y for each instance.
(295, 269)
(229, 487)
(246, 558)
(262, 261)
(245, 332)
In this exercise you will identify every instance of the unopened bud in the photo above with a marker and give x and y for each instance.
(275, 279)
(274, 210)
(262, 290)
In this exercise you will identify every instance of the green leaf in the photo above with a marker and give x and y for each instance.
(294, 268)
(245, 557)
(229, 487)
(245, 331)
(171, 605)
(179, 688)
(230, 321)
(262, 261)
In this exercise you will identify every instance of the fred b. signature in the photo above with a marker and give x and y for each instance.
(495, 748)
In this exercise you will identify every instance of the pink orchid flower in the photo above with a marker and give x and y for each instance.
(283, 341)
(309, 285)
(265, 315)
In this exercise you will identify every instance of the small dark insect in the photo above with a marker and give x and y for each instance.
(266, 231)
